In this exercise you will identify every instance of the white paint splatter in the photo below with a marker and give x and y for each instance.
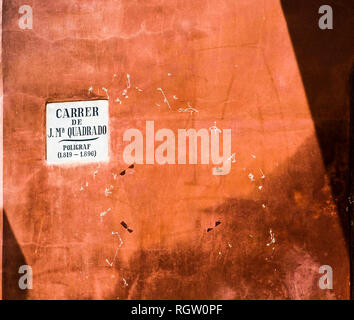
(106, 91)
(108, 190)
(272, 238)
(116, 252)
(128, 81)
(109, 263)
(188, 109)
(102, 214)
(96, 171)
(164, 98)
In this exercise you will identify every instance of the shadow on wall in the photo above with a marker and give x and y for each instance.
(209, 267)
(351, 176)
(325, 58)
(12, 259)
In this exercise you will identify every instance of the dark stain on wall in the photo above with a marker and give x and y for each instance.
(351, 177)
(12, 259)
(325, 58)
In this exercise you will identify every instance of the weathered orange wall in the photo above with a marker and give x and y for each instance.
(231, 60)
(1, 152)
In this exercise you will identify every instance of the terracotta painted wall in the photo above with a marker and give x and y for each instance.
(234, 62)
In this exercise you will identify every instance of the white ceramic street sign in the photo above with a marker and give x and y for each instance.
(77, 131)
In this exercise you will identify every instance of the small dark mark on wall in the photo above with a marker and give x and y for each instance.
(126, 226)
(124, 171)
(216, 224)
